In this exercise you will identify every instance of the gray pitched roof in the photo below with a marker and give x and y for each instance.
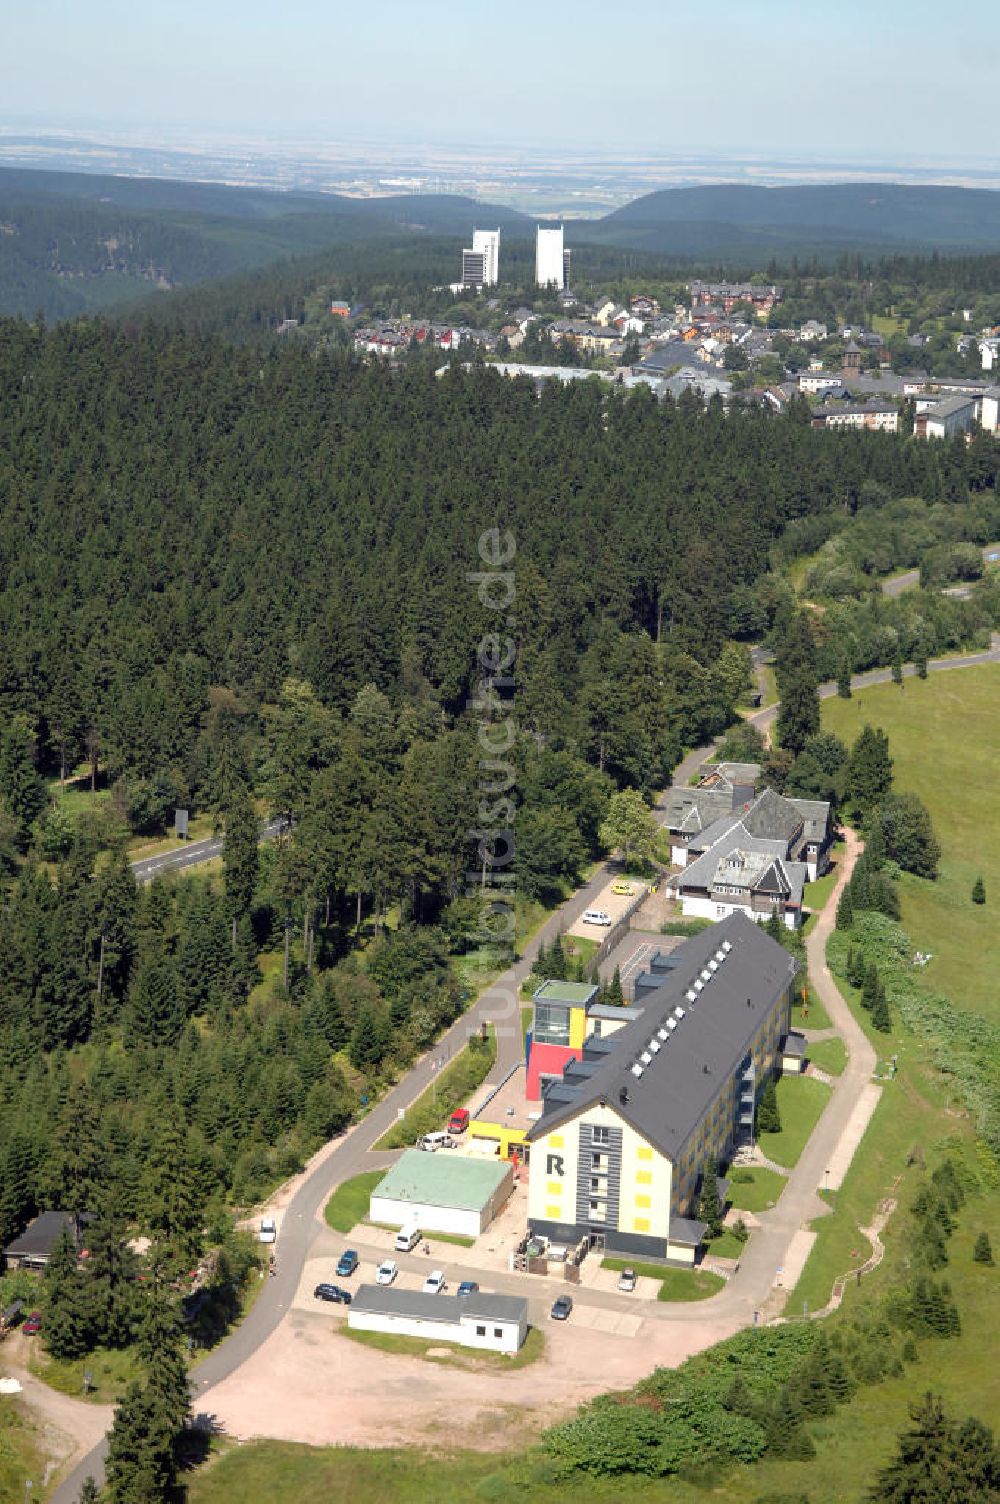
(692, 809)
(390, 1300)
(815, 818)
(709, 867)
(39, 1237)
(773, 817)
(693, 1060)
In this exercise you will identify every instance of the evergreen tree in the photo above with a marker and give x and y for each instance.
(774, 927)
(844, 679)
(920, 660)
(615, 994)
(979, 891)
(845, 911)
(140, 1467)
(21, 788)
(870, 987)
(897, 667)
(89, 1493)
(982, 1253)
(368, 1042)
(880, 1010)
(710, 1208)
(768, 1112)
(798, 683)
(240, 857)
(558, 966)
(69, 1327)
(938, 1459)
(856, 968)
(869, 770)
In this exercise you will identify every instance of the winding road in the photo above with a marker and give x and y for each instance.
(668, 1329)
(191, 854)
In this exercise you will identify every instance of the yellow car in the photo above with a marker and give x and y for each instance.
(621, 887)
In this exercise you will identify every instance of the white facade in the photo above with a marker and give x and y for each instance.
(990, 419)
(696, 906)
(453, 1319)
(487, 242)
(549, 256)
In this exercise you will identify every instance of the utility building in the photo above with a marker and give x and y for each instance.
(618, 1153)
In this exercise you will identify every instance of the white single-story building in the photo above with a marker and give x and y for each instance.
(498, 1322)
(442, 1192)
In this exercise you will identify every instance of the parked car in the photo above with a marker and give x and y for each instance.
(347, 1263)
(459, 1120)
(435, 1283)
(623, 888)
(626, 1280)
(386, 1272)
(32, 1324)
(432, 1141)
(596, 916)
(268, 1230)
(467, 1287)
(561, 1308)
(333, 1293)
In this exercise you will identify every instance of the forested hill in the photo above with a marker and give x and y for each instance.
(738, 220)
(71, 242)
(180, 514)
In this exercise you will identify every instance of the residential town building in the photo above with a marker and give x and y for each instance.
(498, 1322)
(550, 268)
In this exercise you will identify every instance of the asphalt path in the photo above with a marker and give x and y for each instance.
(500, 1005)
(192, 854)
(911, 578)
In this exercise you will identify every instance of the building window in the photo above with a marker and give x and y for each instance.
(595, 1184)
(600, 1135)
(642, 1201)
(644, 1177)
(551, 1024)
(644, 1153)
(555, 1140)
(642, 1224)
(597, 1160)
(498, 1331)
(480, 1331)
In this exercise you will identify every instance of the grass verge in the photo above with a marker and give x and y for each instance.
(437, 1351)
(830, 1055)
(448, 1091)
(349, 1203)
(675, 1284)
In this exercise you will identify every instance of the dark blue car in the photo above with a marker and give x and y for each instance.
(348, 1263)
(332, 1293)
(467, 1287)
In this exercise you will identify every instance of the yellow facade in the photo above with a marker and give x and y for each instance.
(505, 1138)
(644, 1193)
(578, 1028)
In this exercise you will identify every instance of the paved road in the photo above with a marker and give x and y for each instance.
(189, 855)
(911, 578)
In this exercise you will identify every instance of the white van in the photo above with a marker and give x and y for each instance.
(433, 1141)
(407, 1239)
(596, 916)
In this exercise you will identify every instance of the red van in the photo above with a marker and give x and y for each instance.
(459, 1120)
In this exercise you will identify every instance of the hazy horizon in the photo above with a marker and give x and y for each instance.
(749, 77)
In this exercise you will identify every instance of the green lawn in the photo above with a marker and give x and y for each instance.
(816, 894)
(675, 1284)
(943, 737)
(755, 1190)
(20, 1452)
(449, 1090)
(437, 1351)
(830, 1055)
(111, 1372)
(808, 1014)
(800, 1103)
(349, 1203)
(726, 1246)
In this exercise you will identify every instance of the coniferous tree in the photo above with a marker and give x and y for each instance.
(869, 990)
(982, 1253)
(69, 1325)
(844, 679)
(710, 1208)
(768, 1112)
(939, 1458)
(798, 682)
(89, 1493)
(240, 857)
(845, 910)
(869, 770)
(615, 994)
(979, 891)
(880, 1010)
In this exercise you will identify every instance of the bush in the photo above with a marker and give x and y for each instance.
(983, 1251)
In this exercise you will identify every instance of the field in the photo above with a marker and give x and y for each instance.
(943, 736)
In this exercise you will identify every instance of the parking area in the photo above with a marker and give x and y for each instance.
(611, 903)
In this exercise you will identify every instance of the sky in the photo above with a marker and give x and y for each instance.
(904, 78)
